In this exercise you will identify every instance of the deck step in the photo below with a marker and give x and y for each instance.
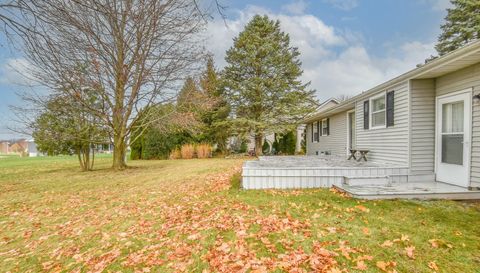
(421, 177)
(366, 180)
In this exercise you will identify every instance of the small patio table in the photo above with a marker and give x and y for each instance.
(352, 154)
(363, 154)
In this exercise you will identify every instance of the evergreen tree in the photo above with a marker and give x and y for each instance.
(261, 80)
(461, 27)
(216, 127)
(189, 98)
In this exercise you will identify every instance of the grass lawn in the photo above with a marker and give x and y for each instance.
(190, 215)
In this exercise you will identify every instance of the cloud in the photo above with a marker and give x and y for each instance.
(343, 4)
(16, 71)
(335, 61)
(439, 5)
(307, 32)
(295, 7)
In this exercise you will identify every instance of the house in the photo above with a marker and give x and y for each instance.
(421, 130)
(17, 148)
(427, 119)
(4, 147)
(32, 148)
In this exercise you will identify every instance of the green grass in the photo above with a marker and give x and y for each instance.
(187, 215)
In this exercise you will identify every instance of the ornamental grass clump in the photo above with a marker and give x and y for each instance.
(204, 150)
(175, 154)
(187, 151)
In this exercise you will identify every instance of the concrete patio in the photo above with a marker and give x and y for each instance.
(415, 190)
(365, 180)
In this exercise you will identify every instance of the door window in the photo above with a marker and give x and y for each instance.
(452, 133)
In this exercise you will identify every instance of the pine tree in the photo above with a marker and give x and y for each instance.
(261, 80)
(461, 27)
(189, 98)
(216, 127)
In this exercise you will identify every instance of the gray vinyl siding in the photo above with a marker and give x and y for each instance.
(422, 126)
(336, 142)
(390, 145)
(466, 78)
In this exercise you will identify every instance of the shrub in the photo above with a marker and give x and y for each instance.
(187, 151)
(243, 147)
(175, 154)
(204, 150)
(286, 143)
(266, 147)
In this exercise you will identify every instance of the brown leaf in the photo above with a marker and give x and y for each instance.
(409, 250)
(361, 265)
(433, 265)
(362, 208)
(433, 242)
(387, 243)
(366, 231)
(384, 266)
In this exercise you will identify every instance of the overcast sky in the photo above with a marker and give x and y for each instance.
(346, 46)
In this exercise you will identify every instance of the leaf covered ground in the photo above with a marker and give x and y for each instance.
(191, 216)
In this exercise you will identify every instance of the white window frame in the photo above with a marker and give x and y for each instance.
(324, 121)
(370, 112)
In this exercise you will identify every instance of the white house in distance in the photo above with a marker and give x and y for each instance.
(427, 119)
(421, 132)
(32, 148)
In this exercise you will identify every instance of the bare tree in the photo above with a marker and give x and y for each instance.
(11, 17)
(342, 97)
(135, 52)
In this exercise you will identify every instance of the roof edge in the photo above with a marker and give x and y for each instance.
(411, 74)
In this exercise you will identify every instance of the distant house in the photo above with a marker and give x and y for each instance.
(17, 148)
(427, 119)
(32, 148)
(4, 147)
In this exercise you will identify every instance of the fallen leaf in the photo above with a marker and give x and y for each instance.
(433, 265)
(332, 229)
(362, 208)
(433, 242)
(384, 266)
(193, 237)
(387, 243)
(366, 231)
(361, 265)
(409, 250)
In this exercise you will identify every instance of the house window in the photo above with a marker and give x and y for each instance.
(378, 112)
(324, 127)
(315, 131)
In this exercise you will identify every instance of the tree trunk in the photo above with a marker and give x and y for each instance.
(119, 153)
(86, 158)
(93, 158)
(258, 144)
(80, 159)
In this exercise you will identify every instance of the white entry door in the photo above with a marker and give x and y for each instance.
(453, 138)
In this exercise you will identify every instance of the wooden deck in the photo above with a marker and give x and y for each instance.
(363, 180)
(296, 172)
